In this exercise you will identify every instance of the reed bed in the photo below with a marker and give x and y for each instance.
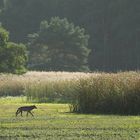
(86, 92)
(41, 86)
(109, 93)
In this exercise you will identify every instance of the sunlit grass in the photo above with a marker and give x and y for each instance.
(39, 86)
(13, 100)
(55, 122)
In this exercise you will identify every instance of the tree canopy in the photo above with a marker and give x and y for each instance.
(59, 46)
(13, 57)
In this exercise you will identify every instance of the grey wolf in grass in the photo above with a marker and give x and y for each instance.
(28, 109)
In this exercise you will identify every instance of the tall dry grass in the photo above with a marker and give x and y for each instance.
(109, 93)
(87, 92)
(41, 86)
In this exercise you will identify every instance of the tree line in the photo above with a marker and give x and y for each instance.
(113, 27)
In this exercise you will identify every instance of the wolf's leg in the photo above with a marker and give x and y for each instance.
(31, 113)
(17, 112)
(27, 114)
(21, 113)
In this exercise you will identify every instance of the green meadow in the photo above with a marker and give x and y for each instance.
(55, 122)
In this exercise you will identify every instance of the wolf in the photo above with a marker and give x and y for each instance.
(28, 109)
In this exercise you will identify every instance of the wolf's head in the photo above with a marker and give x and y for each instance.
(34, 107)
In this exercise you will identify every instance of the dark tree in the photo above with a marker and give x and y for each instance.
(13, 57)
(59, 45)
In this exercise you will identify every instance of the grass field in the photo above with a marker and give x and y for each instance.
(55, 122)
